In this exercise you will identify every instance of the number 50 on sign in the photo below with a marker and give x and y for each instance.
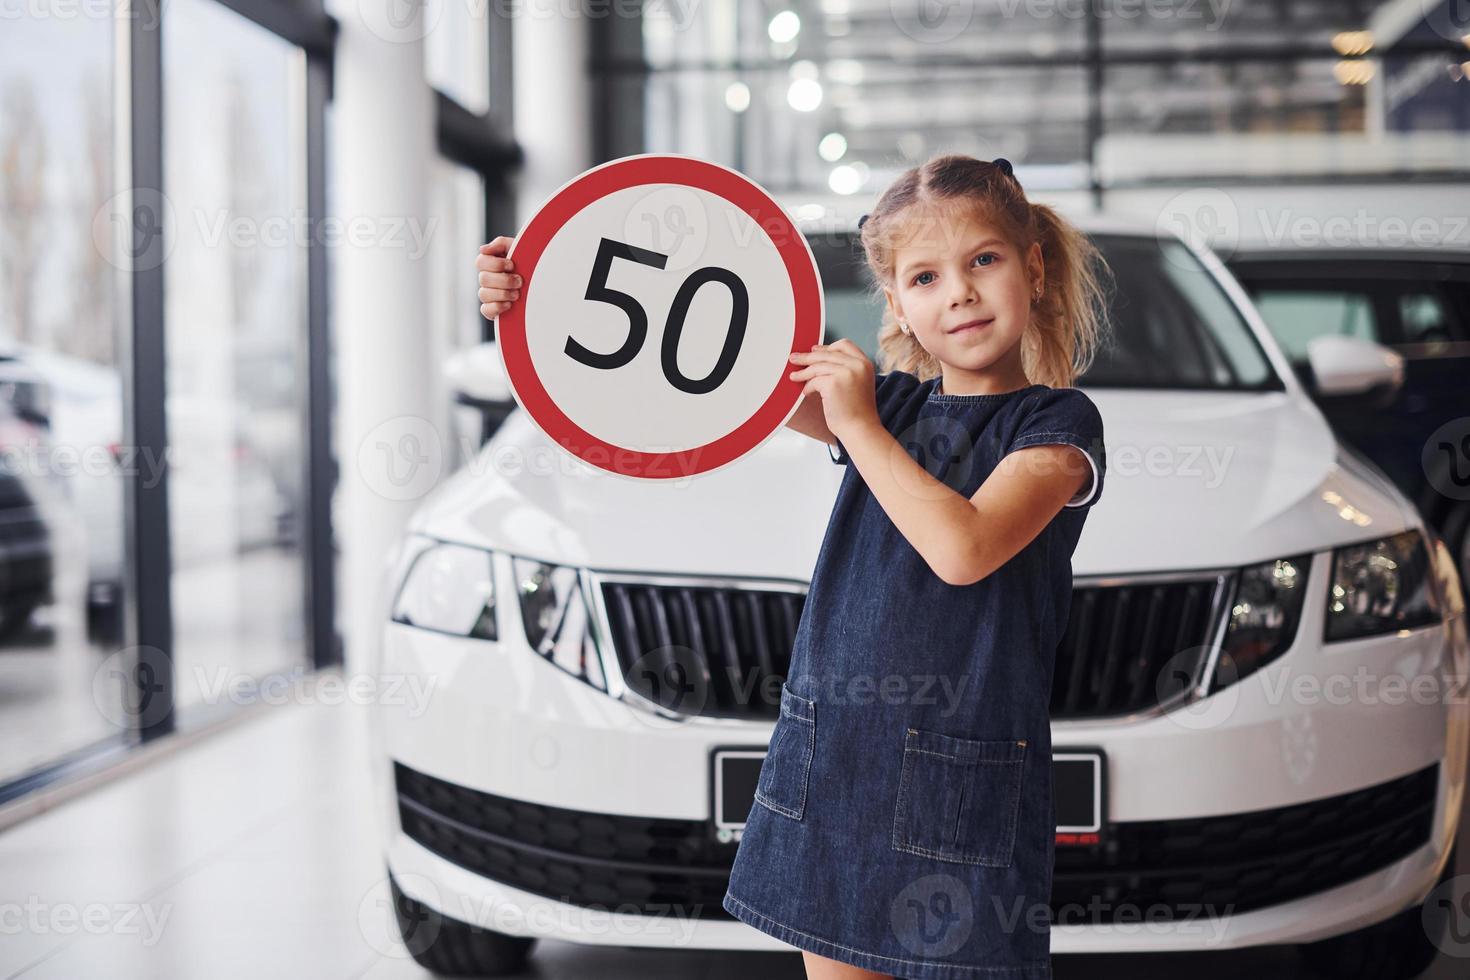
(663, 296)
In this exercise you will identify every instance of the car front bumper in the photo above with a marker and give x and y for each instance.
(512, 786)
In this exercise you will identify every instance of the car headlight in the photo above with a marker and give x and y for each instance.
(557, 618)
(1380, 586)
(449, 588)
(1264, 614)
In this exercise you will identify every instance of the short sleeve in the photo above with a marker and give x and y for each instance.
(880, 386)
(1066, 416)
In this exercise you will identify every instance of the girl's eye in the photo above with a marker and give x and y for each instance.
(982, 255)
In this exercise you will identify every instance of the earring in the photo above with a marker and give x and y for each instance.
(904, 326)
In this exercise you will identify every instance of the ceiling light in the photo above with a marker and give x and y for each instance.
(737, 97)
(784, 27)
(844, 180)
(804, 95)
(1352, 42)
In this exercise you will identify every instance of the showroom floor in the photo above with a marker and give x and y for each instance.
(252, 854)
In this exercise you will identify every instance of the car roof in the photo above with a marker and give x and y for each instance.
(1406, 253)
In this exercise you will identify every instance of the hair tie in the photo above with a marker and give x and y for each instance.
(1005, 165)
(862, 221)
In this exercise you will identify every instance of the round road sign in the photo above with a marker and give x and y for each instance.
(662, 298)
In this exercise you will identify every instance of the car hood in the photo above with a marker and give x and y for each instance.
(1195, 480)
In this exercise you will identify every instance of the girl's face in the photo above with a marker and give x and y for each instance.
(953, 270)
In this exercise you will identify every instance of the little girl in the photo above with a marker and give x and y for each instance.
(903, 822)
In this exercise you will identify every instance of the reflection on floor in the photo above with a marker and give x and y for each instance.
(48, 705)
(238, 617)
(254, 854)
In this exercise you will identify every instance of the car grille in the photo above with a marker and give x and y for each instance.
(1181, 868)
(712, 650)
(588, 859)
(1231, 864)
(1122, 640)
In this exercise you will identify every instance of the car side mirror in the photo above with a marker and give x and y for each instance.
(1354, 366)
(477, 376)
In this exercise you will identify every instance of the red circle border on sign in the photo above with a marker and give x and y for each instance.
(596, 184)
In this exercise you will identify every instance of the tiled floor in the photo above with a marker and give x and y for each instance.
(252, 854)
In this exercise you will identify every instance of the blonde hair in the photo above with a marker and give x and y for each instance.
(1067, 323)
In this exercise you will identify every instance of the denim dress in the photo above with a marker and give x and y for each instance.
(903, 819)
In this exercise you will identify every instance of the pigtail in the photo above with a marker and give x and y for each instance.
(1070, 317)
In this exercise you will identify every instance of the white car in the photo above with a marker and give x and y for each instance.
(1237, 761)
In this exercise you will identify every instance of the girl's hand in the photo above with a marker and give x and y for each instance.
(499, 285)
(843, 376)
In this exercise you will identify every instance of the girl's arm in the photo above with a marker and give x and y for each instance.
(964, 540)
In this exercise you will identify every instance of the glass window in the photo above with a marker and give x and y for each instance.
(1297, 315)
(1423, 317)
(1172, 99)
(62, 567)
(848, 96)
(457, 52)
(1173, 326)
(457, 203)
(1187, 25)
(236, 337)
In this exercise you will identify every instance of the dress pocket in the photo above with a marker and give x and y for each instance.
(783, 776)
(959, 798)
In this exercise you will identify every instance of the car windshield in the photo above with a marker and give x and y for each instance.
(1173, 326)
